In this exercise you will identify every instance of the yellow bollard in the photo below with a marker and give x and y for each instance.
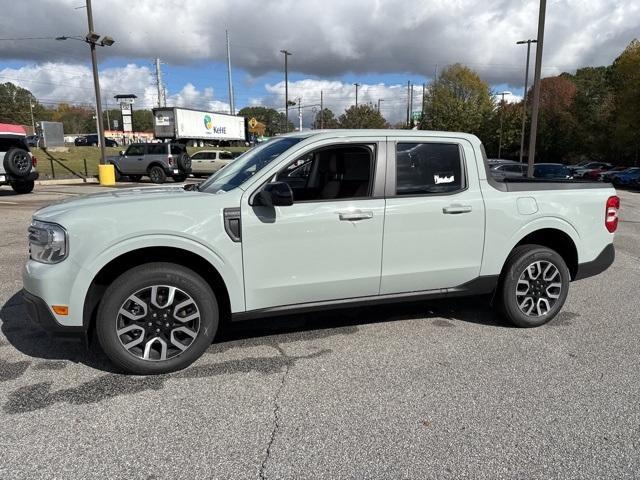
(107, 175)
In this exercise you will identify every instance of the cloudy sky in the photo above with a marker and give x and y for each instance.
(380, 44)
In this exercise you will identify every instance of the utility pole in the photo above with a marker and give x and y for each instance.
(357, 85)
(286, 54)
(231, 102)
(159, 81)
(300, 113)
(321, 110)
(411, 105)
(408, 101)
(106, 108)
(424, 90)
(434, 114)
(96, 84)
(33, 123)
(379, 101)
(524, 97)
(536, 89)
(501, 120)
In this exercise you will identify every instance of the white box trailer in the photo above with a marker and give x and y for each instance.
(198, 126)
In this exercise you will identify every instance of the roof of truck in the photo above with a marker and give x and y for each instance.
(379, 133)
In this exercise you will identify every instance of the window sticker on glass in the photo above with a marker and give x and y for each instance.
(447, 177)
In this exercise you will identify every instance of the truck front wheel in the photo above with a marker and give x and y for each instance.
(157, 318)
(534, 285)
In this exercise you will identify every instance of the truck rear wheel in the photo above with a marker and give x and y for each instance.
(22, 187)
(157, 175)
(534, 286)
(17, 162)
(157, 318)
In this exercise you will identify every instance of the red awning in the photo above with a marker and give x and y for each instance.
(13, 129)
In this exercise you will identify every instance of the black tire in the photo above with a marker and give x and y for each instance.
(535, 301)
(179, 178)
(17, 162)
(23, 187)
(184, 162)
(157, 174)
(136, 280)
(116, 173)
(135, 178)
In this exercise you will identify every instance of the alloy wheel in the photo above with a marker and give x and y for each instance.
(158, 322)
(538, 288)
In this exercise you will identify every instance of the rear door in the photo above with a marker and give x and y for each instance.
(434, 218)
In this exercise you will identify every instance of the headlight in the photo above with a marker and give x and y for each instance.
(48, 242)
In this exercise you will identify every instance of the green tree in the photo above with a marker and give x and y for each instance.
(274, 121)
(362, 116)
(626, 124)
(458, 101)
(142, 120)
(325, 118)
(510, 116)
(14, 105)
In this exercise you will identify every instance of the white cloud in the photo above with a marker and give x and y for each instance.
(333, 37)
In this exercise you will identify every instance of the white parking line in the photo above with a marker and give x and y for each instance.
(8, 203)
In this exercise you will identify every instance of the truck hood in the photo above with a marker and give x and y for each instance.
(120, 202)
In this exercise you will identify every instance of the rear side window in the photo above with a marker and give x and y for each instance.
(157, 149)
(423, 168)
(177, 149)
(226, 156)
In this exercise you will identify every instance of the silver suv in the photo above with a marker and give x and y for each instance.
(156, 160)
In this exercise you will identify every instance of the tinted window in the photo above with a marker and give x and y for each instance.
(331, 173)
(135, 150)
(198, 156)
(512, 168)
(226, 156)
(428, 168)
(157, 149)
(176, 148)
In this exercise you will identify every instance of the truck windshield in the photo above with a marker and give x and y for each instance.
(247, 165)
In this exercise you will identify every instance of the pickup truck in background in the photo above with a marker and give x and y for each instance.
(311, 220)
(17, 164)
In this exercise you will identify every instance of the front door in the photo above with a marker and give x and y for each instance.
(434, 220)
(133, 159)
(328, 244)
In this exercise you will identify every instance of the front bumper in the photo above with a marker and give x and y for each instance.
(39, 312)
(597, 266)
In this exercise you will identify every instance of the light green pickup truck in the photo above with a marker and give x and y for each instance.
(311, 220)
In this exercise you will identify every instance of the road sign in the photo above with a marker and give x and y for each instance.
(253, 122)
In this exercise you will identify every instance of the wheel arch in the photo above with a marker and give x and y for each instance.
(557, 240)
(140, 256)
(156, 164)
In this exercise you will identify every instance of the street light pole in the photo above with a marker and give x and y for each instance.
(524, 98)
(501, 121)
(96, 84)
(286, 54)
(536, 89)
(380, 100)
(357, 85)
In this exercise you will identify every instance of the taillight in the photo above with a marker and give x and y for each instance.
(611, 214)
(34, 161)
(170, 160)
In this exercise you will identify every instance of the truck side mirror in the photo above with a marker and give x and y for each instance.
(275, 194)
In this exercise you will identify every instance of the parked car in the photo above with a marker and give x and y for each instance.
(626, 178)
(155, 160)
(17, 164)
(501, 171)
(93, 141)
(206, 162)
(582, 172)
(552, 171)
(608, 175)
(306, 221)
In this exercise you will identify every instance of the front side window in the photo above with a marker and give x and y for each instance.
(135, 150)
(423, 168)
(331, 173)
(247, 165)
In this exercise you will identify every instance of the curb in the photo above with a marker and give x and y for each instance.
(68, 181)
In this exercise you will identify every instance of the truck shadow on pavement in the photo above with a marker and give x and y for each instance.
(47, 355)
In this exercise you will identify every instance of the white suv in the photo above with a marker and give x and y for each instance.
(17, 165)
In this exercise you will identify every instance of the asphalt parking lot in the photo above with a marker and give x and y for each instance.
(428, 390)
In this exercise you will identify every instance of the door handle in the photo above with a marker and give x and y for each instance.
(456, 209)
(355, 215)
